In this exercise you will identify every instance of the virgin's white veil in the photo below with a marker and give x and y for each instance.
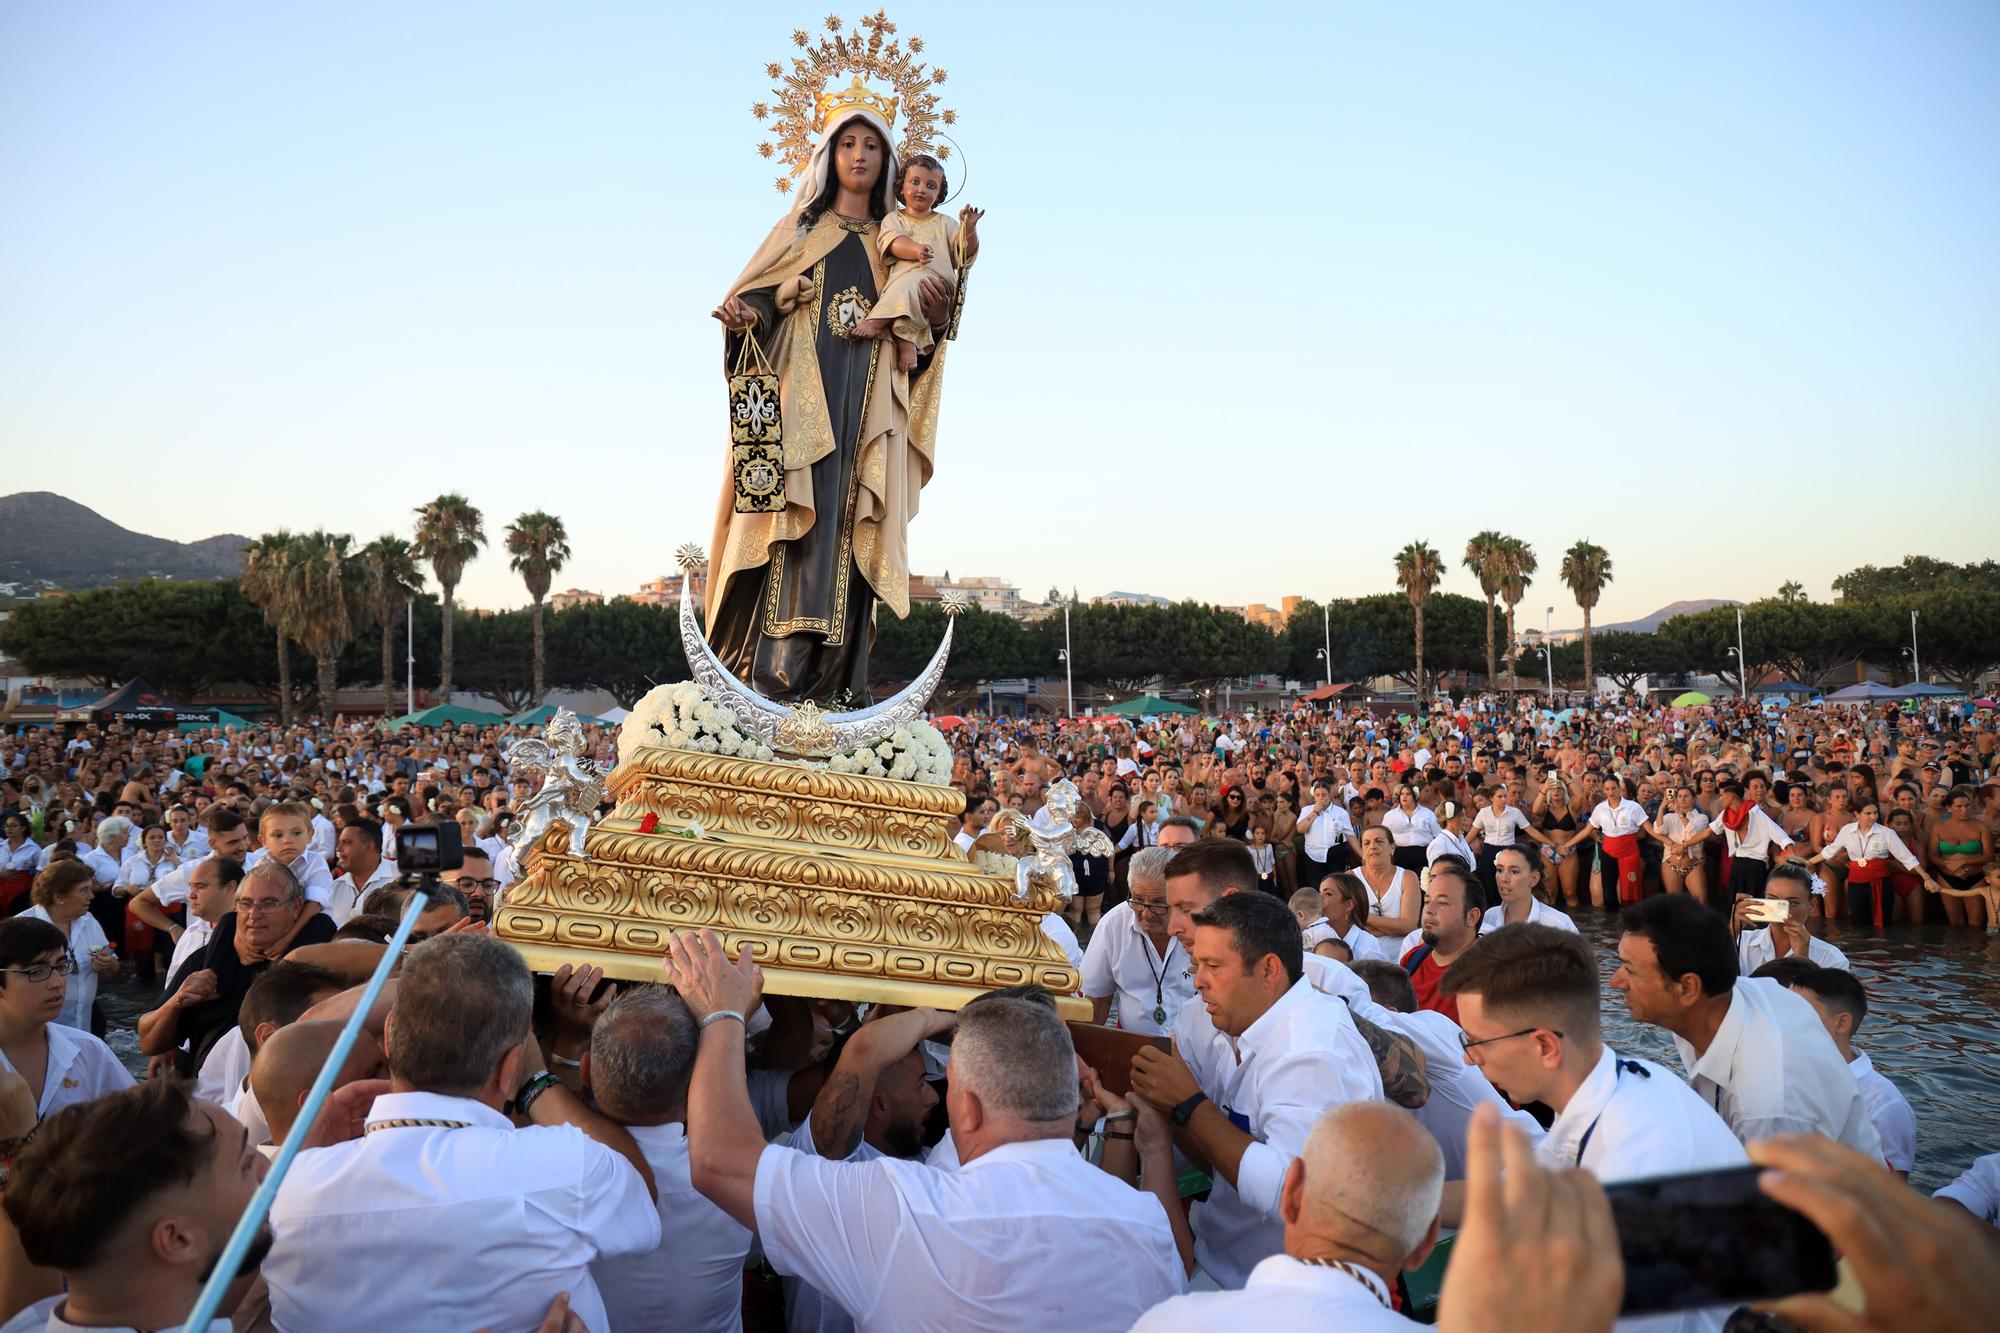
(813, 179)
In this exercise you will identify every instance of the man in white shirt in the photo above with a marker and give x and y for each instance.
(1133, 958)
(1528, 999)
(1457, 1090)
(228, 836)
(362, 869)
(1752, 837)
(641, 1057)
(1754, 1051)
(1257, 1057)
(902, 1245)
(1837, 997)
(103, 1183)
(441, 1171)
(1360, 1205)
(1977, 1190)
(1327, 831)
(1791, 882)
(211, 895)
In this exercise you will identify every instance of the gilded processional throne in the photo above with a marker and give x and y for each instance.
(823, 840)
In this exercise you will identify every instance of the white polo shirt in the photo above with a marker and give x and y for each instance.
(1499, 830)
(1756, 840)
(1978, 1189)
(347, 898)
(1619, 821)
(1365, 947)
(81, 1068)
(1282, 1294)
(694, 1279)
(1301, 1056)
(1122, 962)
(1541, 914)
(427, 1213)
(1772, 1069)
(1895, 1123)
(1415, 829)
(905, 1246)
(1755, 948)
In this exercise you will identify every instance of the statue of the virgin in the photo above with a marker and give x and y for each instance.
(792, 592)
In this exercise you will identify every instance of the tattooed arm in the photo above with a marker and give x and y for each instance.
(1405, 1080)
(840, 1112)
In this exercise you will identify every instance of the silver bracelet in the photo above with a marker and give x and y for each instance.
(721, 1014)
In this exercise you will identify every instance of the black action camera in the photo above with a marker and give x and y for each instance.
(429, 849)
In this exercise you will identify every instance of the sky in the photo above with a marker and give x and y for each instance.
(1266, 291)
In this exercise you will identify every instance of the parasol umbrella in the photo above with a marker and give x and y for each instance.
(948, 721)
(1692, 699)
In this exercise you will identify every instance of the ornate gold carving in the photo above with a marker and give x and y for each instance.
(804, 734)
(842, 886)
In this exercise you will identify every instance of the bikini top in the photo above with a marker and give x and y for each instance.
(1972, 848)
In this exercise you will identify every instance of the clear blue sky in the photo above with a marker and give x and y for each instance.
(1267, 290)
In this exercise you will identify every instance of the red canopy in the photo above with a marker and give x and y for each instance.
(1322, 694)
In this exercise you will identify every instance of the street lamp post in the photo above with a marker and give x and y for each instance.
(410, 663)
(1326, 627)
(1742, 662)
(1916, 670)
(1069, 670)
(1549, 652)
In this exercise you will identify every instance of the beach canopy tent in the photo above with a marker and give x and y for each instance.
(1324, 693)
(539, 717)
(447, 715)
(1865, 693)
(615, 716)
(1692, 699)
(1923, 691)
(1149, 705)
(223, 718)
(137, 703)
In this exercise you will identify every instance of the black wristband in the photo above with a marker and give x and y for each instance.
(1185, 1111)
(531, 1091)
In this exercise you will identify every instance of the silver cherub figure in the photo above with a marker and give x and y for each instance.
(572, 786)
(1055, 837)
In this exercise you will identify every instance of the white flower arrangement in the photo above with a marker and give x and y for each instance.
(683, 717)
(917, 752)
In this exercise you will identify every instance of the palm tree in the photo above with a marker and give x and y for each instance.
(1791, 591)
(1517, 570)
(449, 534)
(394, 581)
(266, 585)
(1586, 568)
(1418, 569)
(540, 548)
(1482, 557)
(329, 599)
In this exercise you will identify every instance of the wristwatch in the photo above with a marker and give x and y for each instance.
(1185, 1111)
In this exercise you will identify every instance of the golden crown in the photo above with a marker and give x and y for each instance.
(804, 106)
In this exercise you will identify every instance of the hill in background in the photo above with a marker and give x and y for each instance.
(45, 537)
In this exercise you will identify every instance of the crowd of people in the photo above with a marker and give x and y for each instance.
(1356, 932)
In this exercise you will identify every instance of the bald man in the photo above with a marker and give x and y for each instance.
(1360, 1204)
(290, 1060)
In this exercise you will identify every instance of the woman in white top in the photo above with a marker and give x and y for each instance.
(1519, 872)
(1617, 822)
(62, 896)
(1344, 902)
(1395, 902)
(1868, 847)
(1450, 840)
(1413, 827)
(1680, 830)
(1499, 825)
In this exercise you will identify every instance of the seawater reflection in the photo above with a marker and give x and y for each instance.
(1933, 1029)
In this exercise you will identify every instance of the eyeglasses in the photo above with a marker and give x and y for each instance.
(1487, 1041)
(263, 906)
(39, 972)
(1141, 907)
(487, 884)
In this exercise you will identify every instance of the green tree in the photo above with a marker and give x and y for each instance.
(1483, 557)
(394, 581)
(449, 534)
(267, 584)
(538, 548)
(1917, 574)
(1628, 658)
(1959, 631)
(1791, 590)
(493, 657)
(327, 592)
(984, 645)
(622, 647)
(1586, 568)
(1418, 570)
(1517, 570)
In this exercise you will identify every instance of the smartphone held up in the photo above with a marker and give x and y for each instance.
(1713, 1238)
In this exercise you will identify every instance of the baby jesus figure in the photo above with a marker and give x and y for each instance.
(917, 240)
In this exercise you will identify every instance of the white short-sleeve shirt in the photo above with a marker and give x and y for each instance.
(1755, 948)
(1978, 1189)
(1895, 1123)
(1122, 962)
(1499, 830)
(694, 1279)
(904, 1246)
(1539, 914)
(1283, 1293)
(81, 1068)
